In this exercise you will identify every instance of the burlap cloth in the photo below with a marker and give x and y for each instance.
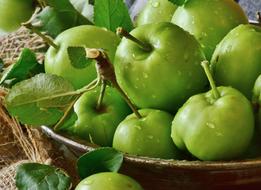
(19, 143)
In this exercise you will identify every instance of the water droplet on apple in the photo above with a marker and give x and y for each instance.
(88, 182)
(204, 34)
(145, 75)
(154, 96)
(150, 137)
(155, 4)
(137, 127)
(219, 134)
(211, 125)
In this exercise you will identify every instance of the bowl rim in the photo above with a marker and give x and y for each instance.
(161, 163)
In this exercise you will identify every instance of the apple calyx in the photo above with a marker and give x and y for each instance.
(123, 33)
(106, 73)
(205, 65)
(45, 38)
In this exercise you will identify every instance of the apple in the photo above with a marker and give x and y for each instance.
(57, 60)
(146, 136)
(13, 13)
(209, 20)
(216, 125)
(163, 73)
(108, 181)
(156, 11)
(257, 101)
(99, 124)
(236, 61)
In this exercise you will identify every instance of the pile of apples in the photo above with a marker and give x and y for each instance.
(163, 67)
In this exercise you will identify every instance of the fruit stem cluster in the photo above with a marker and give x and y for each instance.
(107, 73)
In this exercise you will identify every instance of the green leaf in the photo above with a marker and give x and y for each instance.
(100, 160)
(32, 101)
(26, 67)
(41, 177)
(178, 2)
(77, 56)
(112, 14)
(59, 16)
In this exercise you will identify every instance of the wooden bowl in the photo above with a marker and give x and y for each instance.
(158, 174)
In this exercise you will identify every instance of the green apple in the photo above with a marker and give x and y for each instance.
(257, 101)
(156, 11)
(217, 125)
(99, 124)
(209, 20)
(57, 60)
(236, 61)
(168, 73)
(108, 181)
(13, 13)
(147, 136)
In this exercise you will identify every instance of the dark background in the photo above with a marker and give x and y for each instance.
(251, 7)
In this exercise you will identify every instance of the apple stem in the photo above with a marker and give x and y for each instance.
(66, 113)
(45, 38)
(205, 65)
(107, 73)
(101, 96)
(123, 33)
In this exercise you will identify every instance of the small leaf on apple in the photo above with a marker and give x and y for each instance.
(112, 14)
(38, 177)
(77, 56)
(25, 67)
(100, 160)
(36, 102)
